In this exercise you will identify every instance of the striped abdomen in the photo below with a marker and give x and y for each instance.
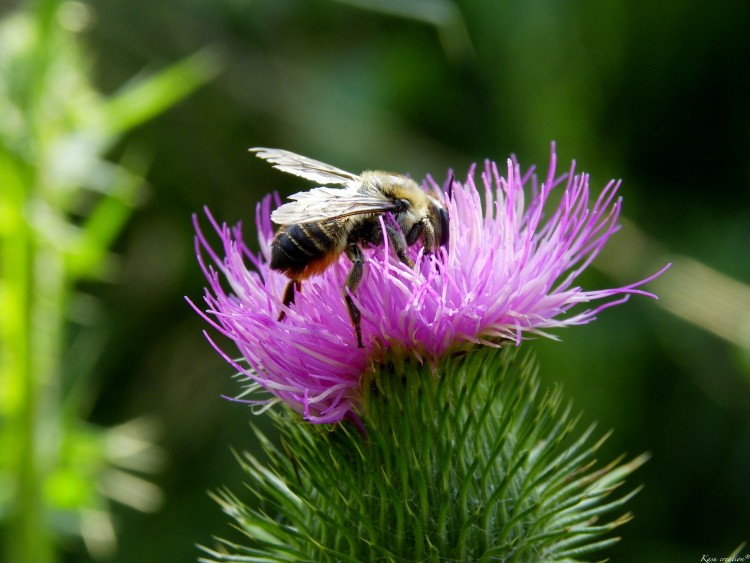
(307, 249)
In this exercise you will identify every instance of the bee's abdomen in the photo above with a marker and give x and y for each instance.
(303, 250)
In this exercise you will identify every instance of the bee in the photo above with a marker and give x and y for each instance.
(320, 224)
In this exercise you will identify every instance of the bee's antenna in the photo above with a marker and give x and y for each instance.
(448, 191)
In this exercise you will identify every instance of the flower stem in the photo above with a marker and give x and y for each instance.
(33, 304)
(30, 336)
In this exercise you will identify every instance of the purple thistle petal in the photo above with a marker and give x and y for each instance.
(508, 273)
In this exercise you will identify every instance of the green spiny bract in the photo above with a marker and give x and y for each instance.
(465, 462)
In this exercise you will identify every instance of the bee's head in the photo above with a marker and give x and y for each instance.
(423, 216)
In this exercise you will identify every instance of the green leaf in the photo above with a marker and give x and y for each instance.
(145, 98)
(86, 257)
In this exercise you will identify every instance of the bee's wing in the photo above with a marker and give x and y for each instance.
(320, 204)
(308, 168)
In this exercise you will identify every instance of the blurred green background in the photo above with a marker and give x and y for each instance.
(651, 92)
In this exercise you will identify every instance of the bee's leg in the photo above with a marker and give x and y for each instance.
(352, 282)
(428, 237)
(289, 295)
(414, 233)
(397, 244)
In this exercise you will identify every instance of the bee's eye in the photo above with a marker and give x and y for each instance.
(444, 228)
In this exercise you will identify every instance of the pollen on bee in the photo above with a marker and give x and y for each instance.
(314, 267)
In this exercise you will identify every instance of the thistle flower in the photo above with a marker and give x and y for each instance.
(474, 465)
(508, 273)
